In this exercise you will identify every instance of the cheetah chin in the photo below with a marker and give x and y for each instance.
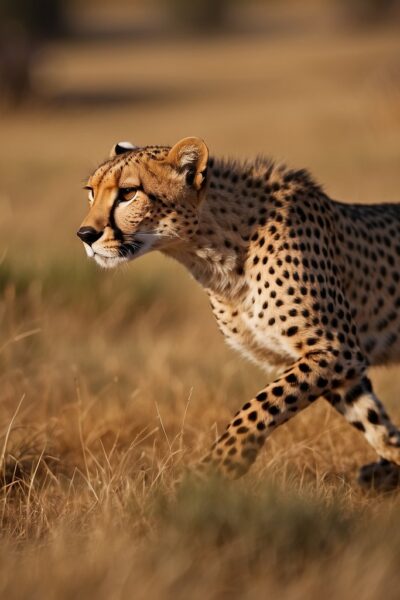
(126, 252)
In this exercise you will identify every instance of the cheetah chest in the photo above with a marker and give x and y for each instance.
(246, 332)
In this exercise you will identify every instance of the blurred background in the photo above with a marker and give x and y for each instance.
(93, 363)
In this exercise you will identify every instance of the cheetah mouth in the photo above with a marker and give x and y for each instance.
(126, 252)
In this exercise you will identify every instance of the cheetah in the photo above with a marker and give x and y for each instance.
(301, 284)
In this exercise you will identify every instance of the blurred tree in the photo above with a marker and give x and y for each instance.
(24, 26)
(369, 12)
(200, 16)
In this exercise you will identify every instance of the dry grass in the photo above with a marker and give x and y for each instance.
(112, 382)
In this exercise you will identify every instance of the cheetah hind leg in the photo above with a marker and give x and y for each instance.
(359, 405)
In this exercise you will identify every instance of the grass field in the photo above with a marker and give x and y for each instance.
(113, 382)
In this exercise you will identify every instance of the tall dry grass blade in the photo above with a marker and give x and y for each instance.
(80, 431)
(162, 427)
(19, 337)
(7, 435)
(184, 420)
(30, 487)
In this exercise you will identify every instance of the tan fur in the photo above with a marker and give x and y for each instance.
(296, 281)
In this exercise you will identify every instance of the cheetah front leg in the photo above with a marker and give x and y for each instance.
(310, 377)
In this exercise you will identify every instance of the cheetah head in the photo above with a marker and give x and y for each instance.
(143, 199)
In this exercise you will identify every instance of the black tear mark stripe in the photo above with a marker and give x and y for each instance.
(116, 230)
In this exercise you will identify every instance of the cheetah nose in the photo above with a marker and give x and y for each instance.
(89, 235)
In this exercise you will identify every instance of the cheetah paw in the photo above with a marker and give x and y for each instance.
(382, 476)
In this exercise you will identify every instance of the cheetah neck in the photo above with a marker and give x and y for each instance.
(214, 255)
(217, 251)
(240, 200)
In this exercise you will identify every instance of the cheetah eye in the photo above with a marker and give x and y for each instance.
(127, 195)
(90, 194)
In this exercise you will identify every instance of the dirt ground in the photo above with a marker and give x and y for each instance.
(112, 382)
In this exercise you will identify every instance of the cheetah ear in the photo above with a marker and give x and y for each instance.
(120, 148)
(190, 156)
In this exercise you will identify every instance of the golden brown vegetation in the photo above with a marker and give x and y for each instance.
(112, 382)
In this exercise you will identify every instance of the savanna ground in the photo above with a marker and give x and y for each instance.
(112, 382)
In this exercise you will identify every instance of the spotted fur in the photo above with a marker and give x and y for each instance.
(298, 282)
